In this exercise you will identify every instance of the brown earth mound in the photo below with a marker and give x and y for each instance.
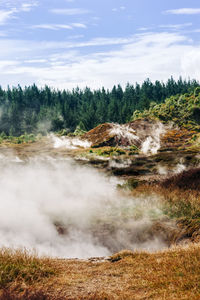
(110, 134)
(136, 132)
(100, 136)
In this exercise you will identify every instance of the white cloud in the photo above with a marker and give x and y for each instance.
(176, 26)
(153, 55)
(5, 15)
(98, 42)
(76, 36)
(52, 26)
(79, 25)
(59, 26)
(15, 8)
(70, 11)
(47, 46)
(144, 28)
(19, 5)
(183, 11)
(26, 7)
(37, 61)
(119, 9)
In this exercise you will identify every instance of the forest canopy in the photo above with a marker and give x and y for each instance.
(39, 110)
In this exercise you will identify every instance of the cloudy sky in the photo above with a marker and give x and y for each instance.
(95, 43)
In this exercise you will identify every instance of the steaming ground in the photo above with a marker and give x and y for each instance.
(63, 209)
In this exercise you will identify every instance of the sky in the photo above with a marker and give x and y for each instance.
(95, 43)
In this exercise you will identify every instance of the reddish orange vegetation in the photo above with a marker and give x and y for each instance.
(177, 138)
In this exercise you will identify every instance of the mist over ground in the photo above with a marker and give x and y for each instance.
(60, 208)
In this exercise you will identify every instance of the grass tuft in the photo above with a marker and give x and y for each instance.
(20, 266)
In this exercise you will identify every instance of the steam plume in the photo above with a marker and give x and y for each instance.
(62, 209)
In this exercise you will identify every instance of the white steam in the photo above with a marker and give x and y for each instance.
(176, 169)
(179, 168)
(62, 209)
(119, 164)
(124, 132)
(151, 145)
(44, 126)
(162, 170)
(69, 142)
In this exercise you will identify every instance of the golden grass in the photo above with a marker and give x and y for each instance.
(171, 274)
(176, 202)
(22, 267)
(183, 206)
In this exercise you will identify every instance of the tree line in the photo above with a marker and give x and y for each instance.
(32, 109)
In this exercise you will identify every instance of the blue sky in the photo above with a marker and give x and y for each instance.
(69, 43)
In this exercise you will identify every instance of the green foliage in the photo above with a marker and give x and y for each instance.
(25, 138)
(34, 110)
(183, 110)
(80, 129)
(197, 92)
(63, 132)
(133, 150)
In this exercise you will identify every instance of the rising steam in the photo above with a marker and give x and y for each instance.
(151, 144)
(62, 209)
(124, 135)
(124, 132)
(68, 142)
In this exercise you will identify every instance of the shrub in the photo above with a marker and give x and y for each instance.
(183, 110)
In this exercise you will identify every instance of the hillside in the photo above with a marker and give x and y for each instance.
(182, 110)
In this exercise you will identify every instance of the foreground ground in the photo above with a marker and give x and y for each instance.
(173, 274)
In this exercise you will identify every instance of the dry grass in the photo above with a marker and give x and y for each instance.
(172, 274)
(179, 194)
(186, 180)
(19, 267)
(177, 203)
(177, 137)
